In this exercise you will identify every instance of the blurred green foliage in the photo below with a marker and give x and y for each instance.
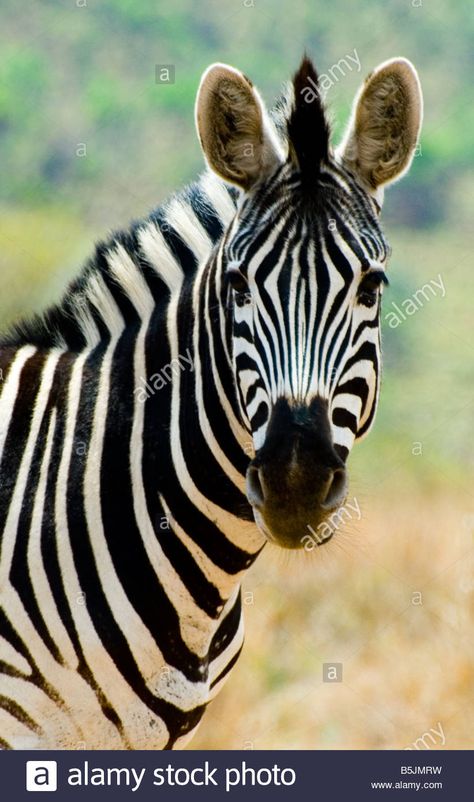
(88, 140)
(84, 72)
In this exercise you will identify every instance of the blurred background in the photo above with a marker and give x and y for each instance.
(90, 138)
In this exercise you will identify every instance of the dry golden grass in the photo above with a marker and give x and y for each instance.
(407, 666)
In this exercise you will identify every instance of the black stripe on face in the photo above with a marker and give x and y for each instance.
(368, 423)
(357, 387)
(344, 419)
(366, 324)
(338, 359)
(260, 417)
(367, 351)
(342, 451)
(345, 321)
(274, 337)
(344, 268)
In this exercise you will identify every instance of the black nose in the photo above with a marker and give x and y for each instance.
(330, 496)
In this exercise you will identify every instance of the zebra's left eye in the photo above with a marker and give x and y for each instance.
(240, 287)
(368, 291)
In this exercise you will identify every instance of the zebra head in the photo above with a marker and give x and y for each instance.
(303, 266)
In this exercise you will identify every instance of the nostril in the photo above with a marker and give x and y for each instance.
(254, 486)
(336, 491)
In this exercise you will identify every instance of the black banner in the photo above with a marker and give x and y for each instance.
(235, 776)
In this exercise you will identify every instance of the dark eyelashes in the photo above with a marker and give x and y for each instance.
(237, 280)
(375, 278)
(368, 292)
(238, 285)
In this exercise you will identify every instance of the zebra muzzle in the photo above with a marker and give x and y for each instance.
(296, 480)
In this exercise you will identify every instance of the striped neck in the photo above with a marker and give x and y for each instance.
(208, 439)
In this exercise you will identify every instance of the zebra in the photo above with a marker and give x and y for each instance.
(193, 396)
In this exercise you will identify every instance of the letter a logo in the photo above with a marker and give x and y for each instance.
(41, 775)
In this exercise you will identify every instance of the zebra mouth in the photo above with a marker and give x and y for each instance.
(293, 535)
(259, 520)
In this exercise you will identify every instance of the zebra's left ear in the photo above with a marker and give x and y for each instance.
(382, 134)
(237, 135)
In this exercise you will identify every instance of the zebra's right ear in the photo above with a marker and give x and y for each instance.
(237, 135)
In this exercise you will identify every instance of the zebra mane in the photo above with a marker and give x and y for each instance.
(147, 262)
(307, 127)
